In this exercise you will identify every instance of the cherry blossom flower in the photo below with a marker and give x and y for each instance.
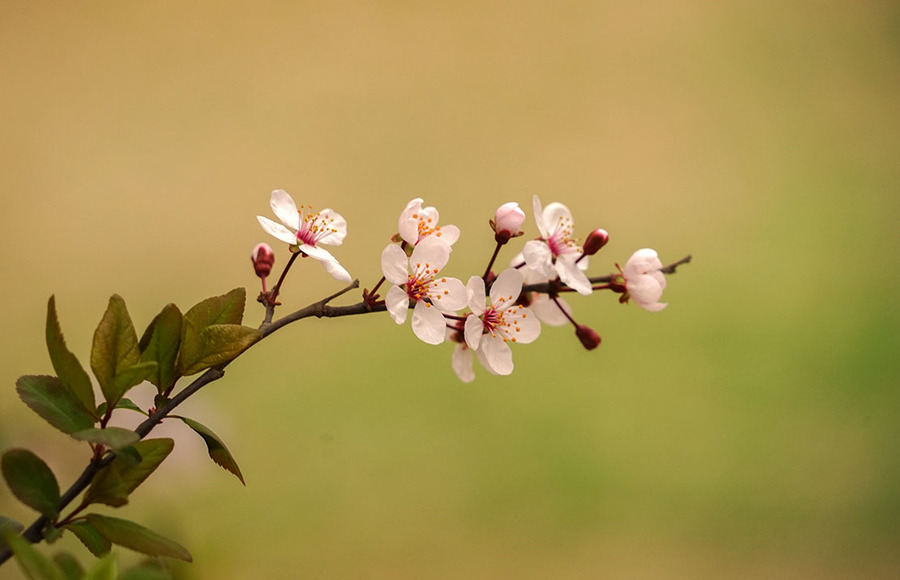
(557, 252)
(644, 280)
(418, 277)
(417, 223)
(490, 328)
(307, 229)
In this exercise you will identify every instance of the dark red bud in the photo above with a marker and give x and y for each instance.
(588, 336)
(263, 259)
(595, 240)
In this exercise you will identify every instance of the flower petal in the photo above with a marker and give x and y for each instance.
(408, 226)
(336, 222)
(449, 294)
(539, 217)
(548, 312)
(462, 363)
(528, 327)
(506, 288)
(334, 268)
(448, 234)
(394, 265)
(571, 275)
(557, 214)
(428, 323)
(277, 230)
(284, 207)
(475, 295)
(497, 355)
(431, 251)
(397, 303)
(538, 258)
(474, 331)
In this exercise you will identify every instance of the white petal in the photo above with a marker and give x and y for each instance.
(548, 312)
(431, 251)
(475, 295)
(538, 258)
(529, 328)
(556, 214)
(394, 265)
(334, 268)
(408, 226)
(449, 294)
(397, 303)
(284, 207)
(474, 331)
(572, 276)
(539, 216)
(462, 363)
(428, 323)
(497, 355)
(506, 288)
(335, 221)
(277, 230)
(448, 234)
(320, 254)
(641, 262)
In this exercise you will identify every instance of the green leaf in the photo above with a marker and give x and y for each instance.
(133, 375)
(224, 309)
(35, 565)
(59, 406)
(68, 369)
(217, 450)
(111, 437)
(122, 476)
(70, 566)
(31, 481)
(160, 344)
(115, 349)
(122, 404)
(213, 345)
(11, 525)
(105, 569)
(89, 536)
(138, 538)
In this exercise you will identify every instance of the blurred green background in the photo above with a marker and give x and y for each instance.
(750, 430)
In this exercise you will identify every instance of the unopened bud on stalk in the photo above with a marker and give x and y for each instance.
(263, 259)
(595, 240)
(507, 222)
(588, 336)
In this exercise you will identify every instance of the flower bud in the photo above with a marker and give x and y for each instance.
(588, 336)
(595, 240)
(263, 259)
(507, 222)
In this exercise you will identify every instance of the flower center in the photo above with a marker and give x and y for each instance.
(422, 284)
(505, 322)
(313, 226)
(561, 240)
(426, 226)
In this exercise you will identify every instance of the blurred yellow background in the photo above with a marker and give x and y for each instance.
(750, 430)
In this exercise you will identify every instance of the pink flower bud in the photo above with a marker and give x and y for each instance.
(263, 259)
(588, 336)
(595, 240)
(507, 222)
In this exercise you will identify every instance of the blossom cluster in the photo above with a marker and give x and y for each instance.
(487, 314)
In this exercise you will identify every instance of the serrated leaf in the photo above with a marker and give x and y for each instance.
(138, 538)
(65, 363)
(31, 480)
(218, 452)
(115, 349)
(34, 564)
(112, 437)
(70, 566)
(107, 568)
(97, 544)
(11, 525)
(225, 309)
(122, 476)
(56, 404)
(160, 344)
(213, 345)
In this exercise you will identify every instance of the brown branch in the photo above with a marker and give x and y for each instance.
(554, 286)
